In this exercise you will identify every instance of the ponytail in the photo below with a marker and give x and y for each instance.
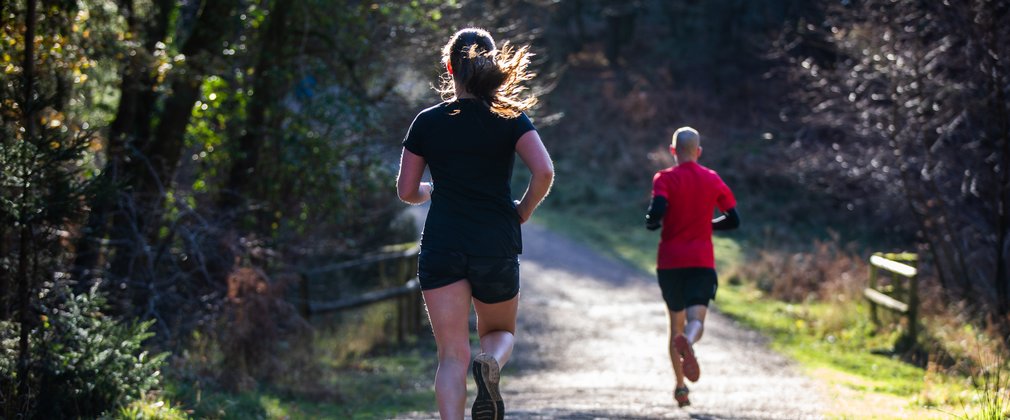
(493, 76)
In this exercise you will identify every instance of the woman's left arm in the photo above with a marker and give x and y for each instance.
(408, 181)
(533, 153)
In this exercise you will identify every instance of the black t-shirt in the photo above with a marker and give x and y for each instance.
(470, 152)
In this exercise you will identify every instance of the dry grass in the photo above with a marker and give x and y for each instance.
(952, 341)
(826, 272)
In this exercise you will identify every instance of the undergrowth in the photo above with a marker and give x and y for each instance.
(359, 372)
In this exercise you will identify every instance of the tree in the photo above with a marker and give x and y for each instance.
(914, 103)
(43, 184)
(146, 138)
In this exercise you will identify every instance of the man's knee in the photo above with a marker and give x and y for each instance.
(697, 313)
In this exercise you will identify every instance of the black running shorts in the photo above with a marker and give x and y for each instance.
(492, 279)
(685, 287)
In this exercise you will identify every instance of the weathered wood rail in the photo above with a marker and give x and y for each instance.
(395, 266)
(900, 294)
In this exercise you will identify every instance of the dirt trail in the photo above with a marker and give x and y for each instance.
(591, 344)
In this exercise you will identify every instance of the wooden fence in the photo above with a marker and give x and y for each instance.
(395, 266)
(899, 293)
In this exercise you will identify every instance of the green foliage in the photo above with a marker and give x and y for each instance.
(150, 409)
(83, 362)
(734, 59)
(355, 385)
(992, 392)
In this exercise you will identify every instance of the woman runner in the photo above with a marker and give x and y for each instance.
(471, 238)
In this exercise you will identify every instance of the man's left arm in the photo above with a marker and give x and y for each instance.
(726, 203)
(727, 221)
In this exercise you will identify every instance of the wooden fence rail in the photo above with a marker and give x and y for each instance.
(903, 285)
(409, 305)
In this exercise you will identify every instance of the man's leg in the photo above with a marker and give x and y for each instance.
(684, 344)
(695, 323)
(676, 332)
(448, 310)
(676, 327)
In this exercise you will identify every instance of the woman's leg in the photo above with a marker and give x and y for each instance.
(448, 311)
(496, 326)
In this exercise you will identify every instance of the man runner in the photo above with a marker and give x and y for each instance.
(684, 198)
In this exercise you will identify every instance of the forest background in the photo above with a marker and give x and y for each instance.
(166, 165)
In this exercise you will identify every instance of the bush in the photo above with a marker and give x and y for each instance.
(824, 271)
(82, 362)
(261, 335)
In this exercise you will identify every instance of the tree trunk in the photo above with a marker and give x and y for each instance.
(5, 279)
(131, 127)
(24, 277)
(152, 170)
(1003, 206)
(268, 85)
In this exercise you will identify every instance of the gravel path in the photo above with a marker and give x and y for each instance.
(592, 345)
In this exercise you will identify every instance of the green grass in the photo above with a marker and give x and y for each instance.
(357, 374)
(374, 388)
(619, 231)
(833, 342)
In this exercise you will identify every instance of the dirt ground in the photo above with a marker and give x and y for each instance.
(592, 345)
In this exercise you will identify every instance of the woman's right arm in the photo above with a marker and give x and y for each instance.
(408, 181)
(533, 153)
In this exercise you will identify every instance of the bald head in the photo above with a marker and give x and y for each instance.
(686, 144)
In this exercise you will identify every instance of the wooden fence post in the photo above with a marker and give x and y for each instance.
(897, 265)
(400, 313)
(408, 297)
(303, 292)
(873, 304)
(417, 309)
(913, 301)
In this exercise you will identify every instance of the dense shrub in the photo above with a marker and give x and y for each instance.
(82, 362)
(825, 271)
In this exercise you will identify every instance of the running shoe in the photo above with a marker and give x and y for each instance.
(488, 405)
(690, 363)
(680, 394)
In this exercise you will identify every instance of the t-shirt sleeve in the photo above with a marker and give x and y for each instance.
(521, 125)
(725, 200)
(659, 186)
(414, 140)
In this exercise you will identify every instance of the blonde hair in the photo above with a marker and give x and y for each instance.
(492, 75)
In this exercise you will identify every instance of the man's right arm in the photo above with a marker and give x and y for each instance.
(654, 217)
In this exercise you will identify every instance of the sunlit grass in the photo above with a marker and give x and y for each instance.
(151, 408)
(361, 373)
(619, 231)
(864, 383)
